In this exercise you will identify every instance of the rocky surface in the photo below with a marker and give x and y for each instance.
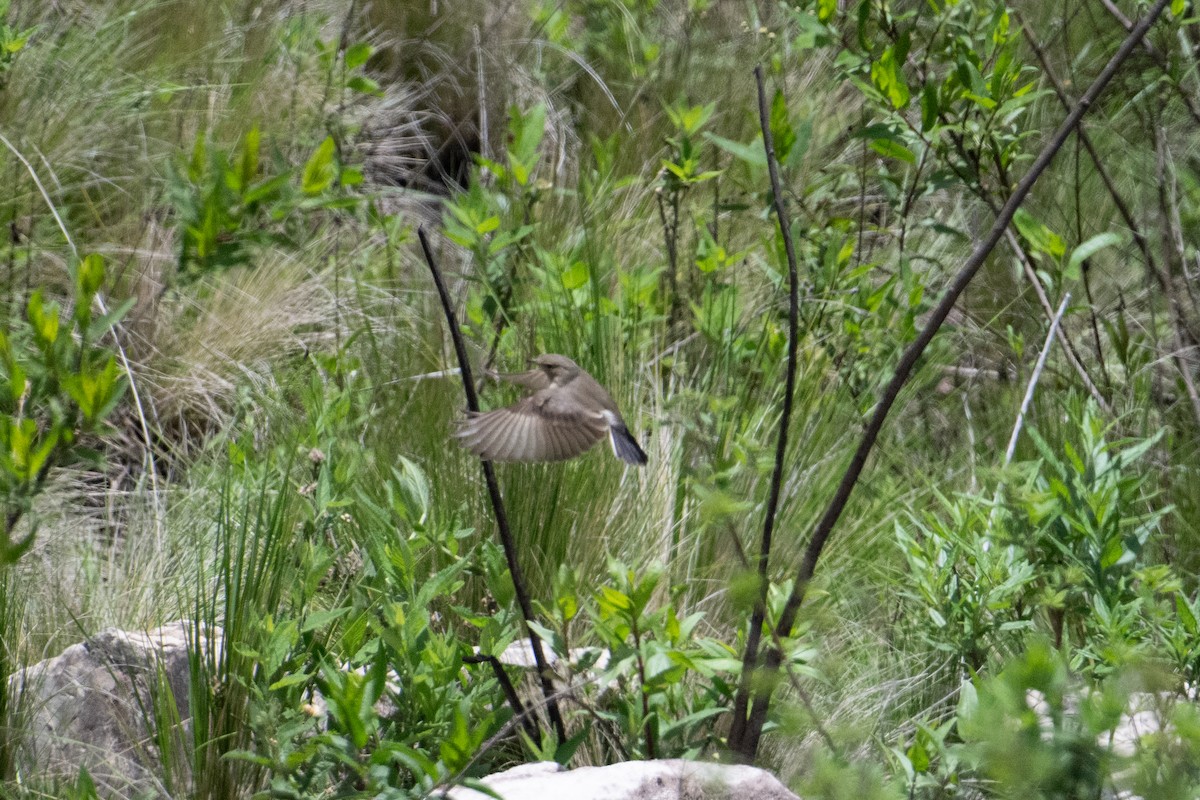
(89, 706)
(667, 779)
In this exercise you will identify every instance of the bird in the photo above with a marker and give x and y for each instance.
(567, 413)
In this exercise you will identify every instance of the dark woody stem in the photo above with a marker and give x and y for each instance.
(489, 474)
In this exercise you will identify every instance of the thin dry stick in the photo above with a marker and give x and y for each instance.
(754, 634)
(510, 693)
(1033, 381)
(1068, 346)
(747, 746)
(1158, 58)
(489, 474)
(1181, 325)
(1170, 241)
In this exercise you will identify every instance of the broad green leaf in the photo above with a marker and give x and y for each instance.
(1187, 617)
(893, 149)
(318, 172)
(781, 128)
(1038, 235)
(44, 319)
(357, 55)
(363, 85)
(576, 276)
(90, 276)
(1086, 250)
(888, 77)
(752, 154)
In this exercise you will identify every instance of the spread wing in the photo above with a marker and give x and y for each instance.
(539, 428)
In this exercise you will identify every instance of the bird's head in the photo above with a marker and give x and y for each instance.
(559, 369)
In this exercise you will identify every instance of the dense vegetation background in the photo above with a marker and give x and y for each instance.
(226, 392)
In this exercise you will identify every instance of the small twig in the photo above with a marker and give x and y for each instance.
(737, 734)
(1159, 59)
(1048, 310)
(1171, 241)
(1181, 325)
(1033, 380)
(489, 474)
(510, 693)
(908, 360)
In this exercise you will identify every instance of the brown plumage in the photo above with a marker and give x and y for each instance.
(565, 416)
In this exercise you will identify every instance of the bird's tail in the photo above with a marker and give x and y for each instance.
(625, 447)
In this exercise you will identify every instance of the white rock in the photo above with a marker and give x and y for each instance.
(667, 779)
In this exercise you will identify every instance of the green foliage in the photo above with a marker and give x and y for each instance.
(1066, 556)
(656, 654)
(357, 684)
(1035, 730)
(344, 546)
(1084, 519)
(648, 684)
(57, 387)
(230, 204)
(12, 41)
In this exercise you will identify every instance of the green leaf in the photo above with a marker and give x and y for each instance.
(566, 750)
(930, 106)
(893, 149)
(1041, 238)
(318, 172)
(100, 325)
(488, 225)
(247, 163)
(319, 619)
(887, 76)
(90, 277)
(363, 85)
(752, 154)
(1187, 617)
(43, 318)
(357, 55)
(576, 276)
(265, 190)
(291, 679)
(918, 756)
(526, 130)
(781, 128)
(1088, 249)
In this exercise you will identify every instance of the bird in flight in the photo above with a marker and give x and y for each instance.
(567, 413)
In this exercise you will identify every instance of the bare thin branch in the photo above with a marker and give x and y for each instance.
(904, 368)
(1033, 380)
(1068, 346)
(753, 637)
(489, 474)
